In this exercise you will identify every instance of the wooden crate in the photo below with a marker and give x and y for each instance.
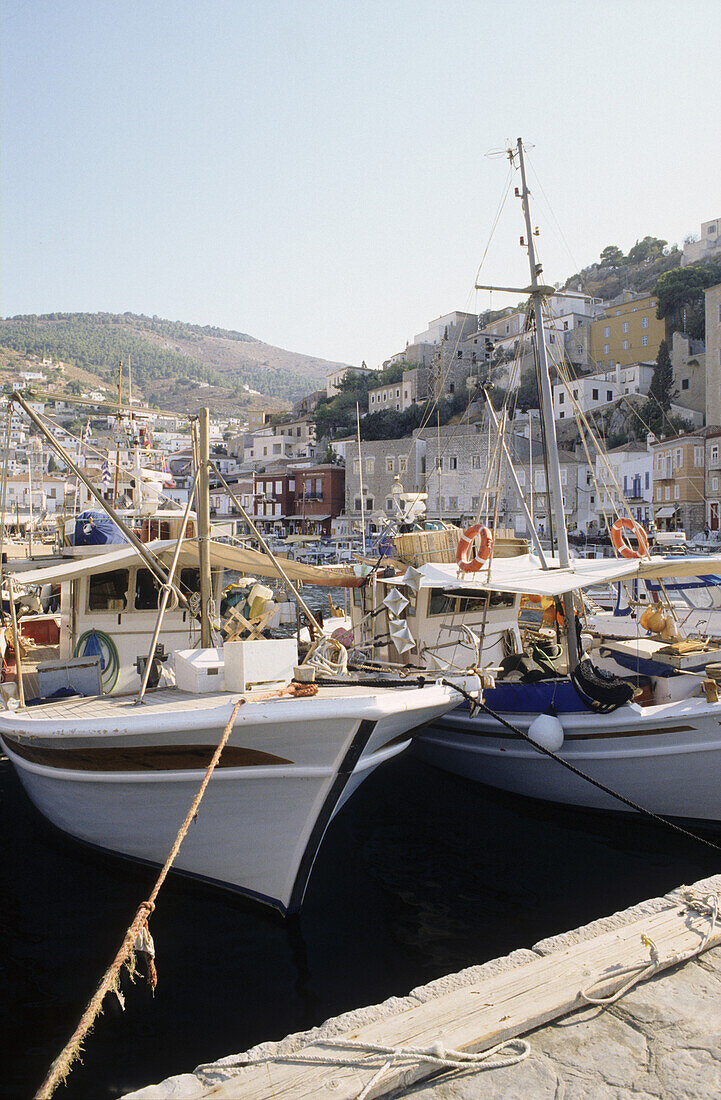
(418, 547)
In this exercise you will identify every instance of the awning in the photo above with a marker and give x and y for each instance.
(524, 573)
(225, 555)
(666, 513)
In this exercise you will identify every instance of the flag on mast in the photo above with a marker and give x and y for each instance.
(168, 479)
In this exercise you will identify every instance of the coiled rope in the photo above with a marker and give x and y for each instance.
(137, 939)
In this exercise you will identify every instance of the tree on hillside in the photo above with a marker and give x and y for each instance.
(612, 256)
(527, 393)
(661, 393)
(680, 296)
(650, 248)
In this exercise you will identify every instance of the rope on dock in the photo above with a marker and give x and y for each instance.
(508, 1053)
(708, 904)
(137, 940)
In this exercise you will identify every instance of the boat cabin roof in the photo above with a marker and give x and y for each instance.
(525, 574)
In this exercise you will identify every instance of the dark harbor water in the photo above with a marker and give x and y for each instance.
(421, 874)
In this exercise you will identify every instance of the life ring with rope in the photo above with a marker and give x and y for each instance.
(620, 542)
(464, 561)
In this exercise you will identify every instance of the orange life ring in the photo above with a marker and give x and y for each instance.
(620, 543)
(465, 542)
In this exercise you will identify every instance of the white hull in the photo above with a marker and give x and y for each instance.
(665, 758)
(122, 778)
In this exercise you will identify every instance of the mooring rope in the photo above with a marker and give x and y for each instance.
(508, 1053)
(708, 904)
(137, 940)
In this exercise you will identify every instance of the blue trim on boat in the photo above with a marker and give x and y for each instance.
(520, 698)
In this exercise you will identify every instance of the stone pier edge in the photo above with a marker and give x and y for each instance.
(194, 1086)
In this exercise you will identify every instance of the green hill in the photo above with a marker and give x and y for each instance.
(166, 357)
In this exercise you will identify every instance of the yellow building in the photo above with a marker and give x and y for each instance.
(258, 418)
(629, 332)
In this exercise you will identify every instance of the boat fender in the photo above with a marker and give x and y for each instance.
(657, 621)
(645, 620)
(621, 545)
(547, 732)
(471, 565)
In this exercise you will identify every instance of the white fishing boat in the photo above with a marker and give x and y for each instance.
(661, 750)
(119, 772)
(693, 602)
(121, 777)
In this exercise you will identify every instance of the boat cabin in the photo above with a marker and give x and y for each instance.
(420, 621)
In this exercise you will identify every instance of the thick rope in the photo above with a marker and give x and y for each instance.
(708, 904)
(436, 1057)
(135, 935)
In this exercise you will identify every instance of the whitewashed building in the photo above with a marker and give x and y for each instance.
(624, 477)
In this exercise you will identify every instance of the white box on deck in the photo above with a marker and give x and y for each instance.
(259, 663)
(199, 670)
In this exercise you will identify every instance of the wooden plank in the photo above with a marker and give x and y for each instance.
(477, 1017)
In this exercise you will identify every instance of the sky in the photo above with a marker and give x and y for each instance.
(317, 173)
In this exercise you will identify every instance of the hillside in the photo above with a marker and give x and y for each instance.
(638, 271)
(168, 358)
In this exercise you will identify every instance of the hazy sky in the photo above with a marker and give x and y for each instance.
(315, 173)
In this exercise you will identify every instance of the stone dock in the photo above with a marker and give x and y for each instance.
(660, 1037)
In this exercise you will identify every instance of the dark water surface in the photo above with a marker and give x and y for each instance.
(421, 874)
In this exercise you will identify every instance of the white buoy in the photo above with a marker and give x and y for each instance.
(547, 732)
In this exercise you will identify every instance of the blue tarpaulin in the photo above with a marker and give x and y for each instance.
(96, 529)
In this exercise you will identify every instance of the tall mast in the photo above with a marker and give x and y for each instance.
(118, 421)
(360, 473)
(203, 501)
(549, 424)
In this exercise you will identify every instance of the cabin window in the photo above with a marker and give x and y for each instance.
(463, 601)
(440, 602)
(474, 601)
(147, 590)
(108, 591)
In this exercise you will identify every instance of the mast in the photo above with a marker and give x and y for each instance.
(360, 474)
(203, 500)
(538, 291)
(116, 487)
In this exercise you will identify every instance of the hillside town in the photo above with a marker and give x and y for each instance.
(339, 463)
